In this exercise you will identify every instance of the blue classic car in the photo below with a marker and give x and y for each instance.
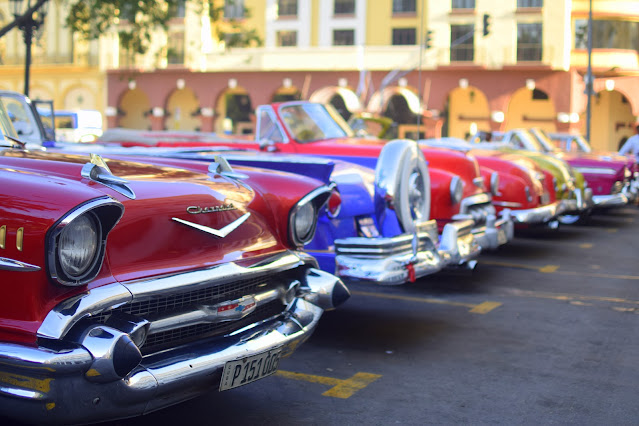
(360, 235)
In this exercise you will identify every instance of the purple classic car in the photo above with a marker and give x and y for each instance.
(610, 179)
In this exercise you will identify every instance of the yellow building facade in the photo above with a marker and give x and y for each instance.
(63, 69)
(403, 59)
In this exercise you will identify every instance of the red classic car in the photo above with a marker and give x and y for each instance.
(525, 189)
(128, 287)
(458, 191)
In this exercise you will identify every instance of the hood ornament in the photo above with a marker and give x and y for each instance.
(221, 166)
(97, 170)
(220, 233)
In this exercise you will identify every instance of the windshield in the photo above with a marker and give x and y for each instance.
(544, 140)
(5, 125)
(308, 122)
(582, 144)
(22, 118)
(527, 141)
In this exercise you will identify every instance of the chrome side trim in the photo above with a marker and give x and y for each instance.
(7, 264)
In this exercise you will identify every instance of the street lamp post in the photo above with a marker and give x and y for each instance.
(28, 22)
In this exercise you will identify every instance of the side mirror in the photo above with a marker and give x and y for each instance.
(267, 145)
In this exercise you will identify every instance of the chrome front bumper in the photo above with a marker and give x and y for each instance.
(581, 203)
(404, 258)
(496, 232)
(57, 381)
(539, 215)
(612, 200)
(389, 260)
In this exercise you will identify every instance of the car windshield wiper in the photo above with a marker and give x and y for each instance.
(13, 142)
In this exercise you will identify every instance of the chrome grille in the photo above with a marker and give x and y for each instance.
(479, 212)
(209, 295)
(179, 336)
(177, 303)
(181, 301)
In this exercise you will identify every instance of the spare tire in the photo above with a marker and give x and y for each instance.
(403, 183)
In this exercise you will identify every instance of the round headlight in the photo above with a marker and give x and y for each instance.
(456, 190)
(78, 246)
(494, 183)
(304, 222)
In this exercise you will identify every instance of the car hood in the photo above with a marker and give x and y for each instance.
(593, 160)
(148, 240)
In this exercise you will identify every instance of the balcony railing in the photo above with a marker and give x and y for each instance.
(529, 52)
(462, 54)
(80, 60)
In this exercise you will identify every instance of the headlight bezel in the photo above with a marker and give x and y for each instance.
(104, 214)
(95, 243)
(494, 183)
(315, 200)
(456, 189)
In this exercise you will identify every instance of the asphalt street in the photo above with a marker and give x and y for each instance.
(544, 331)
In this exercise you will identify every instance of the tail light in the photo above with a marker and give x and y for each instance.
(334, 205)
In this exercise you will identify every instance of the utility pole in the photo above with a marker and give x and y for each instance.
(589, 78)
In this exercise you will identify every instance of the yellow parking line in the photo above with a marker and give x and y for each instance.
(476, 309)
(554, 269)
(595, 275)
(485, 307)
(612, 230)
(511, 265)
(340, 388)
(586, 245)
(571, 297)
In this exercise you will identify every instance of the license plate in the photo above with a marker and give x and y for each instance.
(249, 369)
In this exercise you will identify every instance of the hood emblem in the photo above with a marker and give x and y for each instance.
(220, 233)
(97, 170)
(211, 209)
(232, 309)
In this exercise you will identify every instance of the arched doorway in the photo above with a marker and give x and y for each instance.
(134, 110)
(531, 108)
(79, 97)
(286, 93)
(183, 110)
(467, 112)
(343, 99)
(234, 112)
(615, 121)
(403, 106)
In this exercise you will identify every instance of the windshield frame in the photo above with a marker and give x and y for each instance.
(309, 122)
